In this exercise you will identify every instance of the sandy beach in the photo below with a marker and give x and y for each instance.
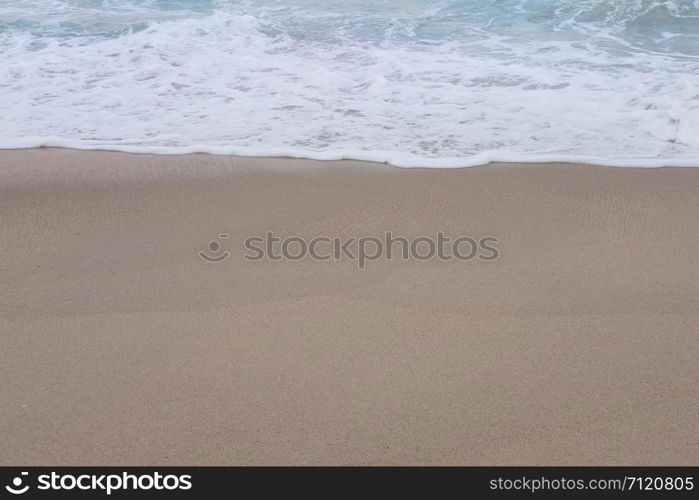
(120, 345)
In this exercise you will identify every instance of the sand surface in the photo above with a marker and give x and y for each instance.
(120, 345)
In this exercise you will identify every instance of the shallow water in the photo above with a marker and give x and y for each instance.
(413, 82)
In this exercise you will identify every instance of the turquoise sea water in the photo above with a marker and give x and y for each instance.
(413, 82)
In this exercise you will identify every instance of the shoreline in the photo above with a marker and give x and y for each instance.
(394, 159)
(577, 346)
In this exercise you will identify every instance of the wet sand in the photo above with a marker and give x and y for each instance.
(120, 345)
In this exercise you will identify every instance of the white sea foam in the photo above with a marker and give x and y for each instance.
(441, 84)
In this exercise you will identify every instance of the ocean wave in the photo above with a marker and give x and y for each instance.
(412, 83)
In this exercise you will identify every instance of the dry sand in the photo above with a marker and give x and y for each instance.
(119, 345)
